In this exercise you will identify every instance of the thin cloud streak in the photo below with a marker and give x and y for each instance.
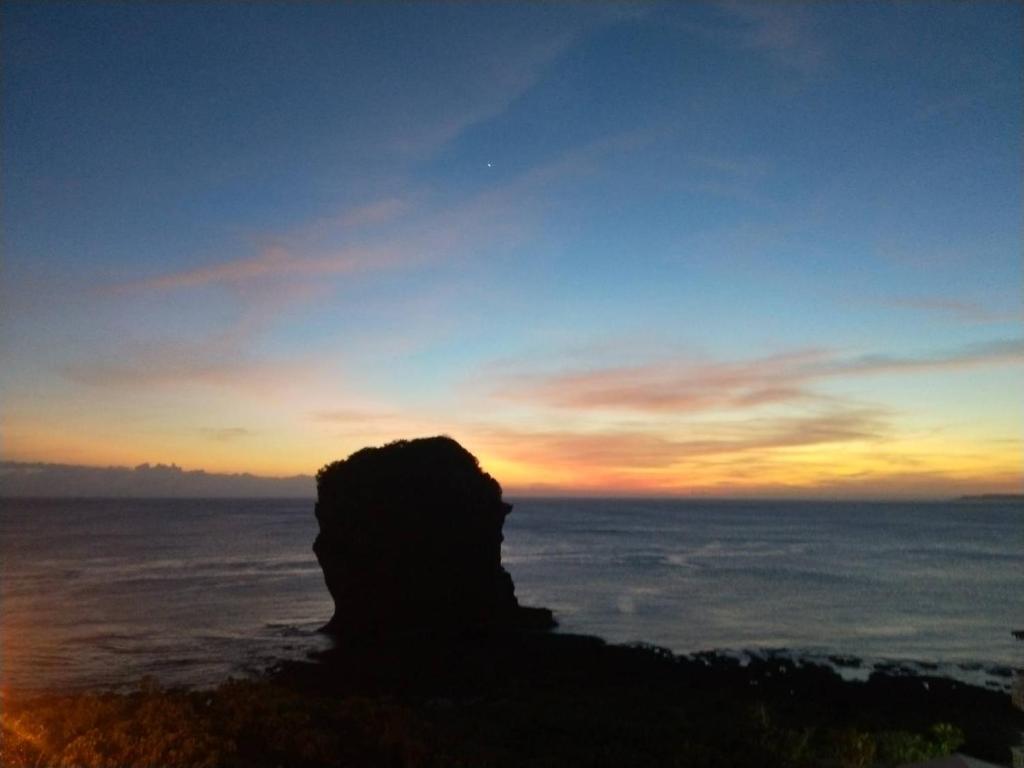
(373, 214)
(783, 32)
(507, 82)
(841, 453)
(647, 450)
(500, 213)
(222, 361)
(273, 263)
(354, 220)
(283, 278)
(679, 386)
(957, 309)
(998, 352)
(351, 416)
(173, 365)
(225, 434)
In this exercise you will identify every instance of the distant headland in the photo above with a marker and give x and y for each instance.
(39, 480)
(993, 497)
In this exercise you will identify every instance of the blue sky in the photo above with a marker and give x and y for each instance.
(722, 248)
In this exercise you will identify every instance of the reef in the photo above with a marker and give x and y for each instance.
(506, 700)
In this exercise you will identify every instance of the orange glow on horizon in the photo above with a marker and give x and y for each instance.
(649, 463)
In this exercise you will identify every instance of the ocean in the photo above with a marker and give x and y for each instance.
(99, 593)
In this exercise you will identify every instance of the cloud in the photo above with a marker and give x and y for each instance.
(373, 214)
(448, 99)
(350, 415)
(220, 361)
(288, 277)
(225, 434)
(836, 426)
(688, 386)
(956, 309)
(846, 452)
(422, 230)
(998, 352)
(739, 166)
(354, 220)
(427, 233)
(272, 263)
(171, 364)
(785, 32)
(668, 386)
(503, 77)
(654, 450)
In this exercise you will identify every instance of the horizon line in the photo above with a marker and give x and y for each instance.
(565, 496)
(775, 493)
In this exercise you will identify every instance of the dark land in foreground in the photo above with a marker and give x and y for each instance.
(518, 699)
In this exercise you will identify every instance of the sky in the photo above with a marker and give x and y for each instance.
(713, 249)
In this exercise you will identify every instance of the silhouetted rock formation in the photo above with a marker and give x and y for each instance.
(410, 539)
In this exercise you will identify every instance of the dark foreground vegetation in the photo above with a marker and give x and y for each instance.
(518, 700)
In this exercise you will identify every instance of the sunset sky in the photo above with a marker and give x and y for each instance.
(718, 249)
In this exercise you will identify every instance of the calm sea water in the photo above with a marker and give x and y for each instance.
(102, 592)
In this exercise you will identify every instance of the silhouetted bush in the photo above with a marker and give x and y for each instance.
(267, 723)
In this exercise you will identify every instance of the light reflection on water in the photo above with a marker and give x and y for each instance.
(103, 592)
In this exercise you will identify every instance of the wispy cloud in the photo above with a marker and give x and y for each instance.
(657, 450)
(839, 451)
(504, 75)
(997, 352)
(690, 386)
(514, 57)
(288, 277)
(833, 450)
(785, 32)
(351, 416)
(668, 385)
(167, 364)
(955, 309)
(420, 233)
(272, 263)
(225, 434)
(740, 166)
(373, 213)
(353, 221)
(222, 361)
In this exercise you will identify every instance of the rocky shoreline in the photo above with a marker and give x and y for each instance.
(515, 699)
(993, 676)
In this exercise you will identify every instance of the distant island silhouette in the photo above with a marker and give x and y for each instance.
(41, 479)
(993, 497)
